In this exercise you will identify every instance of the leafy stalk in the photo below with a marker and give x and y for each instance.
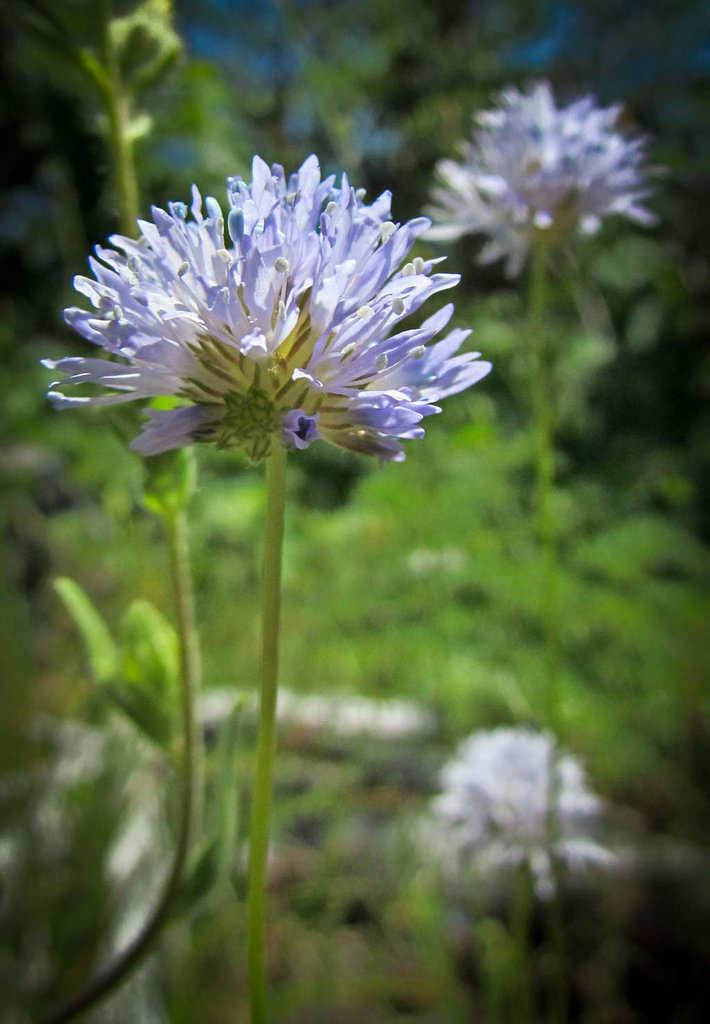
(117, 971)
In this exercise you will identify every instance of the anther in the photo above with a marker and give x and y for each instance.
(360, 193)
(182, 269)
(348, 350)
(213, 208)
(387, 230)
(281, 264)
(235, 223)
(408, 270)
(418, 352)
(133, 263)
(381, 362)
(418, 265)
(224, 255)
(397, 306)
(365, 312)
(282, 310)
(331, 208)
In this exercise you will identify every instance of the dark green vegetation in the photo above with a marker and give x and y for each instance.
(415, 581)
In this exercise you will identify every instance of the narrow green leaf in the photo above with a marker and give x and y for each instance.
(223, 810)
(94, 632)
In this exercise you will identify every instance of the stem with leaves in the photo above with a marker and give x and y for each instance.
(266, 740)
(543, 417)
(116, 972)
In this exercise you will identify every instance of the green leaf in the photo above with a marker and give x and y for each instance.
(149, 668)
(145, 43)
(170, 481)
(140, 126)
(100, 648)
(201, 875)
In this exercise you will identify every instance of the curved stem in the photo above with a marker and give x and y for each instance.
(547, 533)
(266, 740)
(118, 114)
(117, 971)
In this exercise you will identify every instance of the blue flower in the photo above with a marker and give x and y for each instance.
(289, 330)
(531, 165)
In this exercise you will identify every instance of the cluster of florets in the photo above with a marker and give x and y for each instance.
(289, 329)
(494, 806)
(533, 166)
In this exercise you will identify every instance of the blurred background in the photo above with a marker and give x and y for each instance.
(411, 599)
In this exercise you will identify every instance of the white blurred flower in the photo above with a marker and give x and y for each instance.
(493, 808)
(532, 165)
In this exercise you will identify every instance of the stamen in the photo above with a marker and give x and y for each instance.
(397, 306)
(387, 230)
(360, 193)
(331, 208)
(182, 269)
(365, 312)
(418, 265)
(418, 352)
(281, 264)
(408, 270)
(225, 256)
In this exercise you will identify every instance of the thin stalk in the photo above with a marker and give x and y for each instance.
(547, 532)
(521, 918)
(117, 103)
(266, 740)
(116, 972)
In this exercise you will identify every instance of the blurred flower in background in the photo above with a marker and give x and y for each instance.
(493, 807)
(288, 330)
(531, 164)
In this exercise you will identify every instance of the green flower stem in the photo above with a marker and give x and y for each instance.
(116, 972)
(266, 741)
(117, 105)
(544, 464)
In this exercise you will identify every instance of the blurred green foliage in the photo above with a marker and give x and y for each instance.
(414, 581)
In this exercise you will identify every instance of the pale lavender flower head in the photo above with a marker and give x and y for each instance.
(492, 811)
(290, 328)
(531, 166)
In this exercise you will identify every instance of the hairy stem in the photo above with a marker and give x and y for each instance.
(266, 740)
(116, 972)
